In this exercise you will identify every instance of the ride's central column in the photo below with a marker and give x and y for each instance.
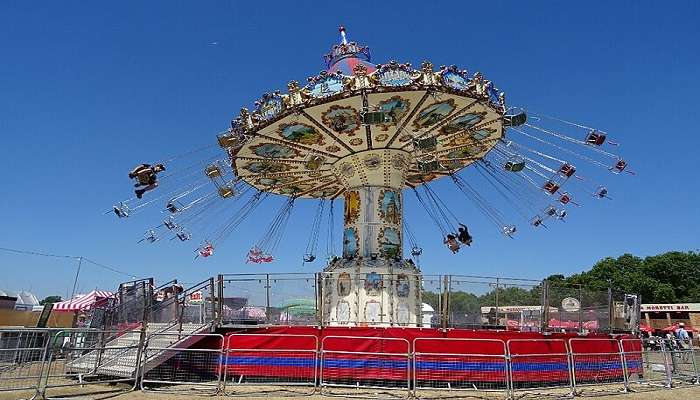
(372, 223)
(373, 203)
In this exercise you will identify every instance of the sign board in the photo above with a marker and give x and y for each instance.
(514, 309)
(196, 297)
(570, 304)
(670, 307)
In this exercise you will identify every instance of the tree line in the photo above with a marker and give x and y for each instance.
(671, 277)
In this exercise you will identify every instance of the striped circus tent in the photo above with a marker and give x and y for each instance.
(84, 302)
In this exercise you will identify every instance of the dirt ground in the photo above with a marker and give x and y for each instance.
(122, 392)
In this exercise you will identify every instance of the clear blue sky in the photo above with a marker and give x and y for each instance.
(88, 90)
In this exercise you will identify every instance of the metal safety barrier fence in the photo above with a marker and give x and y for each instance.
(540, 367)
(39, 362)
(456, 364)
(174, 362)
(683, 368)
(22, 355)
(646, 363)
(355, 364)
(89, 357)
(265, 363)
(597, 365)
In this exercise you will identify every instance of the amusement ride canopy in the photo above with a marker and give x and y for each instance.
(368, 133)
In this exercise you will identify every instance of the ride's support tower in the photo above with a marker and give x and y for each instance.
(371, 285)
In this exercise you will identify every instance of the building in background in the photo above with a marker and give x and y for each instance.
(661, 316)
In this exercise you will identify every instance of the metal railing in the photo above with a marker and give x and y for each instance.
(88, 357)
(455, 364)
(457, 301)
(175, 363)
(269, 363)
(40, 360)
(382, 364)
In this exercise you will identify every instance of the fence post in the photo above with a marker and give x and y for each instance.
(220, 290)
(544, 315)
(497, 284)
(580, 308)
(145, 312)
(212, 297)
(611, 311)
(445, 307)
(318, 288)
(267, 303)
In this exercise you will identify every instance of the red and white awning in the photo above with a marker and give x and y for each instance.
(84, 302)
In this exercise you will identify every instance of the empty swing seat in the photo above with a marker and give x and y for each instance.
(213, 171)
(514, 166)
(515, 119)
(565, 198)
(550, 211)
(567, 170)
(619, 166)
(595, 138)
(225, 192)
(550, 187)
(536, 221)
(227, 140)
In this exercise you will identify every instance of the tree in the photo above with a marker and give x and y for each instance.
(50, 300)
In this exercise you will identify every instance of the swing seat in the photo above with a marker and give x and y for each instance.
(509, 230)
(172, 207)
(550, 211)
(309, 258)
(416, 251)
(170, 224)
(561, 214)
(567, 170)
(619, 166)
(183, 236)
(122, 211)
(565, 198)
(536, 221)
(213, 171)
(207, 250)
(227, 140)
(601, 192)
(550, 187)
(225, 192)
(151, 236)
(513, 166)
(595, 138)
(515, 119)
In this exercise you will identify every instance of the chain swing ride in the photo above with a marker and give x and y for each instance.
(366, 132)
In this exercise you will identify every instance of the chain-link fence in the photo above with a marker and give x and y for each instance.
(368, 298)
(277, 299)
